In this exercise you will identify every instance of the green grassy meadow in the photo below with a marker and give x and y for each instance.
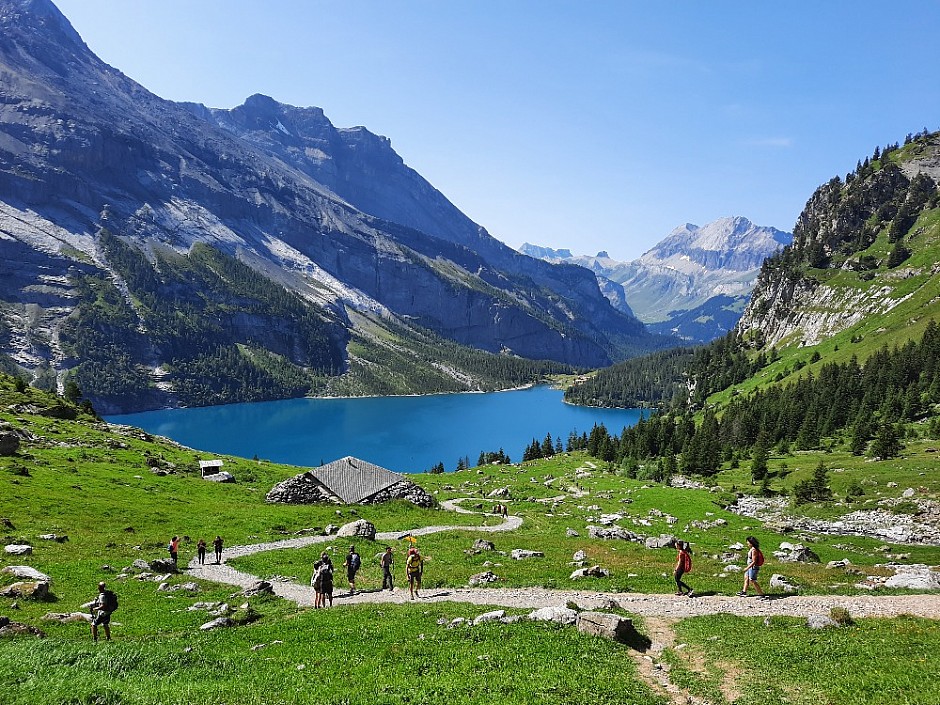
(95, 484)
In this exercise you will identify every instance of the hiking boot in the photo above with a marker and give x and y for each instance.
(690, 593)
(741, 593)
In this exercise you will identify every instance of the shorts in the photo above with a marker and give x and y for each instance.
(751, 572)
(351, 574)
(101, 618)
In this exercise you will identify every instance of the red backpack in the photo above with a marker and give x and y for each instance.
(686, 561)
(760, 558)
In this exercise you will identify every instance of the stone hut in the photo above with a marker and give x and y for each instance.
(349, 481)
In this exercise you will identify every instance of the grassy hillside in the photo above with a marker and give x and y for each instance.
(95, 484)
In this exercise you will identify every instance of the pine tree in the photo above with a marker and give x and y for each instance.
(759, 459)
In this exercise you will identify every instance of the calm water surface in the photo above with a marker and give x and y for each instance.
(404, 434)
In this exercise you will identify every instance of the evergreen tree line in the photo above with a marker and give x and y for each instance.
(895, 385)
(676, 379)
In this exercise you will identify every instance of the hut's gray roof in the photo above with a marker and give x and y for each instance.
(353, 480)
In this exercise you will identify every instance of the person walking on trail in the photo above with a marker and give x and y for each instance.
(683, 566)
(101, 609)
(755, 559)
(217, 544)
(505, 510)
(201, 551)
(322, 581)
(174, 548)
(414, 568)
(386, 561)
(353, 563)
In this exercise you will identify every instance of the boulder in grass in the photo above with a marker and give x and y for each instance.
(162, 565)
(782, 583)
(493, 616)
(357, 529)
(595, 571)
(58, 538)
(611, 626)
(38, 590)
(483, 545)
(561, 615)
(262, 587)
(611, 532)
(9, 443)
(821, 621)
(519, 554)
(661, 541)
(483, 578)
(25, 572)
(66, 617)
(11, 629)
(218, 623)
(18, 549)
(914, 577)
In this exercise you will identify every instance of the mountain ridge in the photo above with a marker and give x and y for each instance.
(84, 149)
(692, 284)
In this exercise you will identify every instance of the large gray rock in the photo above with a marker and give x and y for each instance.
(483, 545)
(357, 529)
(608, 626)
(262, 587)
(13, 629)
(801, 554)
(782, 583)
(58, 538)
(661, 541)
(519, 554)
(66, 617)
(25, 572)
(561, 615)
(821, 621)
(611, 532)
(914, 577)
(594, 571)
(162, 565)
(483, 579)
(36, 590)
(218, 623)
(9, 443)
(18, 549)
(493, 616)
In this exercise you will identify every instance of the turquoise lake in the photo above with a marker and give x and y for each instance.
(404, 434)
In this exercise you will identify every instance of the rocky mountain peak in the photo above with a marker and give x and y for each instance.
(729, 243)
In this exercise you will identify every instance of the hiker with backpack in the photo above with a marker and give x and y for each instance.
(755, 559)
(201, 551)
(683, 566)
(414, 569)
(353, 563)
(102, 607)
(217, 545)
(322, 581)
(386, 561)
(174, 548)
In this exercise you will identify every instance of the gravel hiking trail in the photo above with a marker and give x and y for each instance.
(666, 606)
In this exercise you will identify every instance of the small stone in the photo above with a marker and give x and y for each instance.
(493, 616)
(519, 554)
(821, 621)
(18, 549)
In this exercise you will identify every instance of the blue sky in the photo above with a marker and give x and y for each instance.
(586, 125)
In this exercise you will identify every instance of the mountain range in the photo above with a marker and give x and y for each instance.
(693, 284)
(146, 245)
